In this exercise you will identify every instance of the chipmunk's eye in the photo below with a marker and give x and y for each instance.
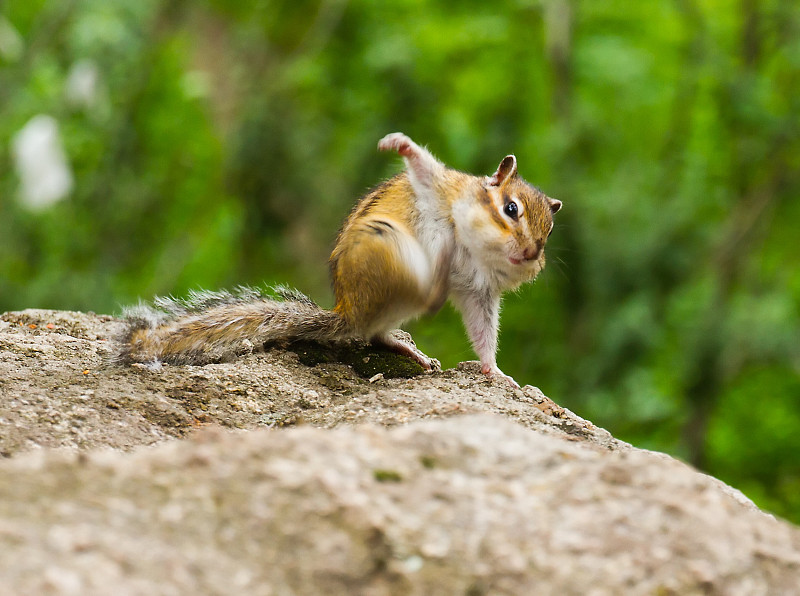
(511, 210)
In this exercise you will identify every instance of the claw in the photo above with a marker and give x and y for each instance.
(408, 349)
(495, 373)
(397, 141)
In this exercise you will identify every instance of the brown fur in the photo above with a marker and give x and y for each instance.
(381, 272)
(369, 275)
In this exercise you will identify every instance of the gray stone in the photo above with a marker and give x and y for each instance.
(263, 476)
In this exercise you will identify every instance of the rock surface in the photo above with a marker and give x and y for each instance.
(265, 476)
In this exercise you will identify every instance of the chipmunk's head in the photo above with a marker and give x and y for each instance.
(510, 223)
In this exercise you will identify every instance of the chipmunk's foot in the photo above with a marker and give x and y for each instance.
(397, 141)
(419, 160)
(493, 372)
(401, 343)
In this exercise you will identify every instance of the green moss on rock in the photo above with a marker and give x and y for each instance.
(365, 359)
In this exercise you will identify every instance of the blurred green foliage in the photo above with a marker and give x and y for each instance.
(224, 141)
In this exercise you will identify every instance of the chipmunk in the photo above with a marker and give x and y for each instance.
(428, 234)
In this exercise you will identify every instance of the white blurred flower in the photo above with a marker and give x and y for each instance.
(45, 176)
(81, 85)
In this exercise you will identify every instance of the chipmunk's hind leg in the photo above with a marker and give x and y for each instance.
(388, 279)
(406, 348)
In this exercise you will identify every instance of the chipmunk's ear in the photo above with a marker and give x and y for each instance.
(555, 204)
(505, 171)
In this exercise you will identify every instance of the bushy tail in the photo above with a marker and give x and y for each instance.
(213, 326)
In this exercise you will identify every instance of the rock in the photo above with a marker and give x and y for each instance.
(61, 388)
(441, 484)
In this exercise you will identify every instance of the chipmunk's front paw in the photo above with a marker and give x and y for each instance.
(397, 141)
(493, 372)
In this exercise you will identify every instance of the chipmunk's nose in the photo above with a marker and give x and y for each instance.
(531, 253)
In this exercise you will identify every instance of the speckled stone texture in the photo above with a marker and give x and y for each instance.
(332, 484)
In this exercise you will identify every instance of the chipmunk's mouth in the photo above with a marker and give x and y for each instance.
(515, 261)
